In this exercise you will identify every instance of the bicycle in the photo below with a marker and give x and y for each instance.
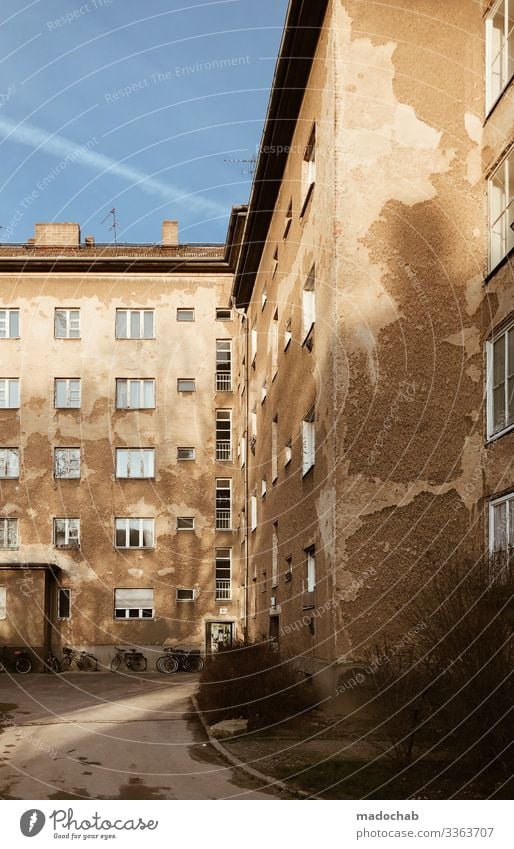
(83, 660)
(52, 662)
(175, 658)
(133, 660)
(19, 659)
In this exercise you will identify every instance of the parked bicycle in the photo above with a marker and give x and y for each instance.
(83, 660)
(175, 658)
(133, 660)
(15, 659)
(52, 662)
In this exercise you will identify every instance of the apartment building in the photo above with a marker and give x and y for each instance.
(376, 280)
(116, 447)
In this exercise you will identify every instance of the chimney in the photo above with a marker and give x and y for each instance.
(169, 233)
(57, 234)
(89, 241)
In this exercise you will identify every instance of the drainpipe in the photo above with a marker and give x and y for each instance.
(242, 312)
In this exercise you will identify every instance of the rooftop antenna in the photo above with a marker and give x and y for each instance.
(252, 162)
(114, 225)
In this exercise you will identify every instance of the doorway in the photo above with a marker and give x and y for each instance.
(219, 634)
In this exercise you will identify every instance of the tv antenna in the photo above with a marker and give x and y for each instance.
(252, 162)
(114, 225)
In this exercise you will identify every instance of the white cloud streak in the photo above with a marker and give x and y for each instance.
(61, 147)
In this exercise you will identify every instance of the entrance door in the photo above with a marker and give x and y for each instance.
(219, 634)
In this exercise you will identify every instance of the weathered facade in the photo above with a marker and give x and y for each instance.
(111, 474)
(366, 254)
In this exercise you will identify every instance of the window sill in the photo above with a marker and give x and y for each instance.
(504, 260)
(499, 435)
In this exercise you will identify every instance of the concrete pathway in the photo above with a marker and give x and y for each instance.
(109, 736)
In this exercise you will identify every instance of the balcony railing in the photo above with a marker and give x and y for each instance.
(223, 520)
(223, 449)
(223, 590)
(223, 382)
(309, 599)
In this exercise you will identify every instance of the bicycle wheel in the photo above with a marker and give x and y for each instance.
(66, 663)
(138, 664)
(88, 663)
(23, 665)
(159, 664)
(169, 664)
(53, 664)
(115, 663)
(195, 663)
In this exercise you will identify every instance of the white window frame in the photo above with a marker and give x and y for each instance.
(309, 304)
(498, 54)
(288, 335)
(10, 393)
(6, 323)
(253, 512)
(220, 311)
(274, 450)
(223, 365)
(274, 556)
(122, 523)
(508, 379)
(141, 392)
(140, 610)
(128, 323)
(506, 500)
(191, 590)
(223, 585)
(264, 487)
(501, 210)
(9, 463)
(253, 343)
(264, 391)
(223, 515)
(68, 459)
(308, 442)
(224, 446)
(186, 459)
(182, 312)
(308, 169)
(71, 329)
(288, 219)
(181, 384)
(274, 346)
(9, 530)
(288, 453)
(190, 526)
(135, 462)
(71, 392)
(67, 592)
(71, 532)
(310, 568)
(264, 297)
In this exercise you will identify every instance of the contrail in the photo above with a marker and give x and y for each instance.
(56, 145)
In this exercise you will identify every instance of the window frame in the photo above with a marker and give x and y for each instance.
(491, 432)
(223, 593)
(3, 602)
(181, 380)
(128, 450)
(141, 531)
(191, 590)
(308, 441)
(129, 381)
(67, 476)
(309, 305)
(186, 448)
(5, 523)
(67, 592)
(6, 384)
(223, 373)
(128, 319)
(502, 54)
(5, 463)
(308, 175)
(66, 312)
(68, 528)
(310, 568)
(223, 310)
(185, 529)
(9, 313)
(182, 311)
(224, 454)
(221, 523)
(140, 610)
(67, 381)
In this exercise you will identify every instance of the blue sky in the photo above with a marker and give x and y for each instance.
(120, 103)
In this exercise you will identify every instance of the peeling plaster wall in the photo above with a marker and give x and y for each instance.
(179, 489)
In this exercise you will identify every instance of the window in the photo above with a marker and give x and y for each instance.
(9, 392)
(253, 424)
(67, 393)
(135, 394)
(288, 453)
(185, 315)
(274, 455)
(185, 453)
(9, 324)
(274, 345)
(223, 314)
(63, 603)
(223, 434)
(223, 365)
(242, 450)
(264, 391)
(186, 384)
(135, 324)
(253, 512)
(9, 533)
(501, 210)
(500, 382)
(288, 574)
(288, 219)
(309, 441)
(9, 463)
(264, 487)
(253, 341)
(274, 266)
(134, 533)
(223, 504)
(309, 304)
(185, 523)
(3, 602)
(67, 533)
(67, 324)
(264, 297)
(501, 523)
(223, 574)
(310, 557)
(134, 604)
(274, 556)
(66, 463)
(309, 169)
(135, 462)
(185, 594)
(499, 49)
(287, 335)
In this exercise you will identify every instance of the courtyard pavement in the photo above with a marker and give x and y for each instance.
(109, 736)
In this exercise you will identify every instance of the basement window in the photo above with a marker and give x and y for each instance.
(186, 594)
(63, 603)
(134, 604)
